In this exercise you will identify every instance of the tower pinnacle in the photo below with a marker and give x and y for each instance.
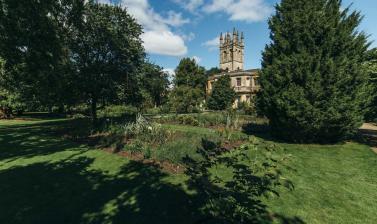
(232, 51)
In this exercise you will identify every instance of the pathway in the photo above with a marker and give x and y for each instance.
(369, 130)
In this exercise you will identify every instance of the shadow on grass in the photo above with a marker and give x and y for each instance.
(32, 140)
(236, 199)
(259, 130)
(71, 191)
(368, 136)
(66, 192)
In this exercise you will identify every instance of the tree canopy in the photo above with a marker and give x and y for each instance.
(33, 42)
(190, 86)
(106, 51)
(155, 83)
(189, 73)
(314, 87)
(222, 96)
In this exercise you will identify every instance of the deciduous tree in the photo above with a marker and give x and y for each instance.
(185, 99)
(155, 82)
(223, 95)
(107, 52)
(189, 73)
(33, 42)
(190, 81)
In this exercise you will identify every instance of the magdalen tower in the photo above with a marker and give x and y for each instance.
(232, 51)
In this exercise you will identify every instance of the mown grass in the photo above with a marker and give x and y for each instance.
(333, 184)
(47, 179)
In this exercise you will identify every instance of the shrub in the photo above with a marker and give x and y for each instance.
(165, 109)
(152, 111)
(146, 131)
(211, 119)
(188, 120)
(114, 111)
(78, 116)
(247, 108)
(135, 146)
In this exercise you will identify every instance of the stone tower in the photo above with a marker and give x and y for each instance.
(232, 51)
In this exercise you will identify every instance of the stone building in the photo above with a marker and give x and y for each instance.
(244, 82)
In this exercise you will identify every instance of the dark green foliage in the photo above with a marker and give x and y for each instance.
(223, 95)
(185, 99)
(371, 69)
(188, 73)
(314, 87)
(155, 83)
(10, 103)
(118, 111)
(213, 71)
(188, 120)
(106, 52)
(33, 41)
(247, 108)
(190, 81)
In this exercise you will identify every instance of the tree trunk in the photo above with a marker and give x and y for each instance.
(5, 113)
(94, 110)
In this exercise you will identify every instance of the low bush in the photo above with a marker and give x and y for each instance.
(149, 132)
(188, 120)
(115, 111)
(247, 108)
(215, 120)
(153, 111)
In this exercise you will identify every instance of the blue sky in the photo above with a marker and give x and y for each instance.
(174, 29)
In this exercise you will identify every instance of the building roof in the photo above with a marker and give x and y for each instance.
(253, 72)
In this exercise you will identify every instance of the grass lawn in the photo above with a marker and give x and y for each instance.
(46, 179)
(333, 184)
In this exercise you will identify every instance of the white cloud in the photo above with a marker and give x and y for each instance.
(164, 43)
(189, 37)
(175, 19)
(212, 44)
(158, 37)
(197, 59)
(190, 5)
(241, 10)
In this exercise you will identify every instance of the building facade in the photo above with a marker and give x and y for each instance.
(244, 82)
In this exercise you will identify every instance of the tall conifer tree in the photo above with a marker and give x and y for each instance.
(371, 69)
(314, 86)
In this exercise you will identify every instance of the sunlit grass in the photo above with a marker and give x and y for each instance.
(47, 179)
